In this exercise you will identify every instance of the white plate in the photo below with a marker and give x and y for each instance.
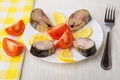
(97, 36)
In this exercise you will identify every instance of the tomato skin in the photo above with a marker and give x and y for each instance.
(57, 31)
(16, 29)
(12, 47)
(66, 40)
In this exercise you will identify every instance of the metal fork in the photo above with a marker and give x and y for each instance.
(109, 22)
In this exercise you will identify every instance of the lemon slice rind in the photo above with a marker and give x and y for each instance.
(65, 55)
(59, 18)
(85, 32)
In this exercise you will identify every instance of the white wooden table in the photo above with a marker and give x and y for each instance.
(89, 69)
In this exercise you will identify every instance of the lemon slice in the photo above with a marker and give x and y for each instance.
(59, 18)
(65, 56)
(3, 33)
(38, 37)
(86, 32)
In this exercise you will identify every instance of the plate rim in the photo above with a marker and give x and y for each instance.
(29, 25)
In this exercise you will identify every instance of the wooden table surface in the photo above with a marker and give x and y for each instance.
(89, 69)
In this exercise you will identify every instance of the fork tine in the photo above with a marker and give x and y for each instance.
(109, 13)
(114, 14)
(106, 14)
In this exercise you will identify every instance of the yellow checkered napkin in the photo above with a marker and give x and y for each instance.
(10, 12)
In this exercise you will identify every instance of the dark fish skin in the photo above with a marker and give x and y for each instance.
(91, 51)
(39, 20)
(79, 19)
(85, 51)
(35, 51)
(40, 53)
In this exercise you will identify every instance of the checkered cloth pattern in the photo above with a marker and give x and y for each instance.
(10, 12)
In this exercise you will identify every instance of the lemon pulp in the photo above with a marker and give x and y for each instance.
(59, 18)
(85, 32)
(38, 37)
(65, 56)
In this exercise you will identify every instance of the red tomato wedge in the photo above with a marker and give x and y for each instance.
(66, 40)
(57, 31)
(12, 47)
(16, 29)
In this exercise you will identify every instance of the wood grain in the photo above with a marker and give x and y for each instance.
(89, 69)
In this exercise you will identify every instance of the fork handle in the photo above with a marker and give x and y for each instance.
(106, 59)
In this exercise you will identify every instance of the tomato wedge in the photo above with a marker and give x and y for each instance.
(12, 47)
(16, 29)
(57, 31)
(66, 40)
